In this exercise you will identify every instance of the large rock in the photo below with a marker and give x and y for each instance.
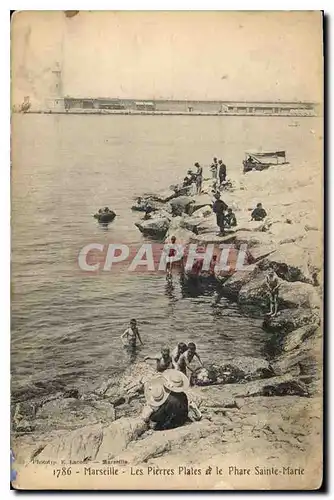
(290, 262)
(259, 244)
(313, 244)
(233, 285)
(294, 339)
(155, 228)
(183, 236)
(304, 360)
(253, 238)
(159, 443)
(185, 190)
(199, 201)
(94, 442)
(200, 225)
(297, 294)
(66, 413)
(213, 237)
(131, 382)
(255, 292)
(250, 225)
(259, 252)
(288, 320)
(203, 211)
(208, 225)
(191, 223)
(163, 196)
(286, 233)
(181, 204)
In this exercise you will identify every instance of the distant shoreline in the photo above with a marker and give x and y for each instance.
(160, 113)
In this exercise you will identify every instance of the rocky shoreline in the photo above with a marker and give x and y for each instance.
(255, 408)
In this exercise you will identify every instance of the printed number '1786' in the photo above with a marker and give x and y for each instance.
(64, 471)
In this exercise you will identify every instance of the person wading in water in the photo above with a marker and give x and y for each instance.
(164, 361)
(129, 339)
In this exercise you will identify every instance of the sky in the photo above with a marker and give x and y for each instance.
(213, 55)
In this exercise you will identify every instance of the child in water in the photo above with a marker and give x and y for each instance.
(164, 361)
(186, 358)
(131, 334)
(179, 349)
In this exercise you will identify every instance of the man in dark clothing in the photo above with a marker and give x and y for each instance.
(219, 208)
(172, 413)
(166, 395)
(222, 171)
(259, 213)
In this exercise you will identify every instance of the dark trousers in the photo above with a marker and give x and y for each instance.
(221, 222)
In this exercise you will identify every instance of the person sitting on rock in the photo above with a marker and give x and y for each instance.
(219, 208)
(186, 358)
(148, 213)
(164, 360)
(273, 286)
(230, 218)
(258, 213)
(189, 178)
(167, 398)
(176, 353)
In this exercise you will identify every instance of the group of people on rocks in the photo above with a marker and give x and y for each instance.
(179, 359)
(226, 218)
(167, 404)
(219, 172)
(194, 178)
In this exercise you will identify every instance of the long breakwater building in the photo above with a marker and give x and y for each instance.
(105, 105)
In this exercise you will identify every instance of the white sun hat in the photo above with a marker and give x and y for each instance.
(175, 380)
(155, 392)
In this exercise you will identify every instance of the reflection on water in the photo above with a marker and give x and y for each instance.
(66, 324)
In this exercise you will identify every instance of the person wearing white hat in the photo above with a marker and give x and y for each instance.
(168, 400)
(155, 392)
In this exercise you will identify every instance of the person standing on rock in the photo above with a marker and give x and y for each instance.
(199, 178)
(214, 169)
(219, 208)
(222, 172)
(273, 286)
